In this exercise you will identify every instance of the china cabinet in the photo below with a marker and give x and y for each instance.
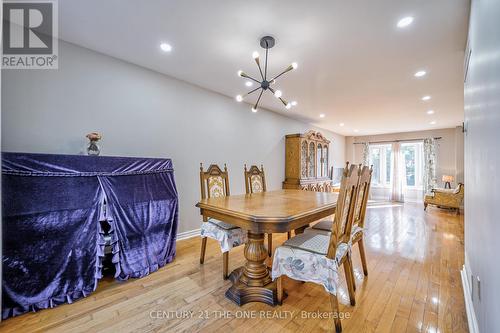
(306, 164)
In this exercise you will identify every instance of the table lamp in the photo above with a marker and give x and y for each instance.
(447, 181)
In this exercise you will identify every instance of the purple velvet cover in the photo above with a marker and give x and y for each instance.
(53, 243)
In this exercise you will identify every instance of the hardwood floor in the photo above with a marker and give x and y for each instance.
(414, 285)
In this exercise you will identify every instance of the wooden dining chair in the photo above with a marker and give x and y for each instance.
(316, 257)
(215, 183)
(255, 182)
(365, 176)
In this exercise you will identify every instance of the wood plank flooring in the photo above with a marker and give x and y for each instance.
(414, 285)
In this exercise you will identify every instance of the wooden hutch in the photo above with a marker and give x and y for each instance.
(306, 164)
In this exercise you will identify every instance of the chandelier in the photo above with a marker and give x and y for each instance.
(264, 84)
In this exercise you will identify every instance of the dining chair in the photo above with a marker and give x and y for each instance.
(316, 257)
(255, 182)
(365, 176)
(215, 183)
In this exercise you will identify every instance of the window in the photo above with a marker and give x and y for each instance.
(380, 158)
(413, 161)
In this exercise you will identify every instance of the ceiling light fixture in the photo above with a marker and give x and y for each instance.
(426, 98)
(356, 131)
(266, 42)
(405, 21)
(341, 124)
(294, 103)
(433, 122)
(420, 73)
(322, 115)
(430, 112)
(165, 47)
(249, 83)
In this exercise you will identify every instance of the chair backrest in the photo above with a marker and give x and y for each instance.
(214, 182)
(346, 203)
(255, 179)
(365, 177)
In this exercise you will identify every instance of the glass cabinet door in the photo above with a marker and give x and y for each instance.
(312, 160)
(319, 160)
(325, 161)
(303, 160)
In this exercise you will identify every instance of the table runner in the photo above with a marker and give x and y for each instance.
(53, 243)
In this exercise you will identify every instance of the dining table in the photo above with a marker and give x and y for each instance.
(259, 213)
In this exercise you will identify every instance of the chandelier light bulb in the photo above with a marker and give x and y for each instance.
(294, 65)
(239, 98)
(277, 93)
(254, 110)
(240, 73)
(255, 54)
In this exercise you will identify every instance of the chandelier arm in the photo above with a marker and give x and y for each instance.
(265, 70)
(252, 91)
(258, 99)
(260, 69)
(283, 101)
(246, 76)
(285, 71)
(271, 89)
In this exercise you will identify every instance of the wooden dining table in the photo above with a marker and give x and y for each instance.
(259, 213)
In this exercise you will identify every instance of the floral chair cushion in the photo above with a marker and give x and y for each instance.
(216, 186)
(227, 238)
(256, 183)
(303, 258)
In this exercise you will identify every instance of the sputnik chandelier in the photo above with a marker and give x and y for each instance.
(266, 42)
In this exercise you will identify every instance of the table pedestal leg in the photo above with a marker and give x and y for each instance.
(252, 282)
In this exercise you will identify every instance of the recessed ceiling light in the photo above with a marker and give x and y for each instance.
(405, 21)
(254, 110)
(420, 73)
(426, 98)
(322, 115)
(249, 83)
(239, 98)
(341, 124)
(294, 103)
(430, 112)
(165, 47)
(356, 131)
(433, 122)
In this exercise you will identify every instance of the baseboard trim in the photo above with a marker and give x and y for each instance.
(469, 308)
(188, 234)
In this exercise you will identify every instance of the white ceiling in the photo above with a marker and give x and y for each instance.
(355, 65)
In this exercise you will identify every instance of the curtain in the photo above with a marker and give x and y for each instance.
(398, 173)
(366, 153)
(430, 159)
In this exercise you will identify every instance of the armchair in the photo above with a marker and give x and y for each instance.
(448, 198)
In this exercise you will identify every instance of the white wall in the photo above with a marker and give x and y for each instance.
(144, 113)
(482, 163)
(449, 150)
